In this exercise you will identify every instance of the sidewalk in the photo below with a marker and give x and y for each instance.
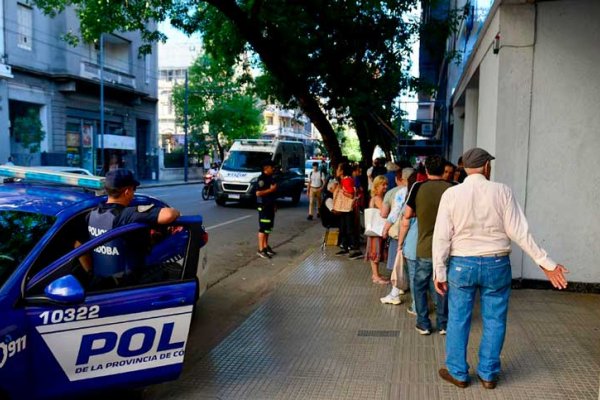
(323, 334)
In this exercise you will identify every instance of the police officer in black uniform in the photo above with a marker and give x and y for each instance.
(118, 262)
(265, 197)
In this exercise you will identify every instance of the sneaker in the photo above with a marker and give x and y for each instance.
(402, 292)
(411, 312)
(270, 251)
(422, 331)
(342, 252)
(318, 215)
(389, 299)
(355, 255)
(309, 218)
(442, 331)
(263, 253)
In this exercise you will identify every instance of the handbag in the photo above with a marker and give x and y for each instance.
(374, 223)
(342, 203)
(399, 277)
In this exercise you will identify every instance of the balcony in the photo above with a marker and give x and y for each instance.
(92, 71)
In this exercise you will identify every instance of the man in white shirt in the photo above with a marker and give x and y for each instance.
(316, 182)
(475, 224)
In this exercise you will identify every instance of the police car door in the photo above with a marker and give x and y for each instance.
(129, 337)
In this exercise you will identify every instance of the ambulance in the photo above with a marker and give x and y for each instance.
(236, 180)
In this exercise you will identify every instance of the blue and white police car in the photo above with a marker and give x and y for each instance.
(62, 338)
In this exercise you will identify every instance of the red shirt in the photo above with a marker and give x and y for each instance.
(348, 184)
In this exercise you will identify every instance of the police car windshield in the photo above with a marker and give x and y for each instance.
(247, 161)
(19, 232)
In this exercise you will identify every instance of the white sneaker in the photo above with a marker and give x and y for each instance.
(389, 299)
(401, 291)
(411, 312)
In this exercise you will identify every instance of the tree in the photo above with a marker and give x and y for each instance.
(221, 100)
(28, 131)
(335, 59)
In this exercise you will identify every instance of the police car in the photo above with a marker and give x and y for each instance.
(59, 337)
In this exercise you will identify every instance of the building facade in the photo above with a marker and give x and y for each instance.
(61, 83)
(527, 89)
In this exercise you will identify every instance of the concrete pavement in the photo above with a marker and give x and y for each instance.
(323, 334)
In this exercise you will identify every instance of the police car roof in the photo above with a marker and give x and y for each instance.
(40, 199)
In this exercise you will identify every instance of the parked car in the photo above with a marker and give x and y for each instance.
(60, 337)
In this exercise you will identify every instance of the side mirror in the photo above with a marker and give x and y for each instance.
(66, 289)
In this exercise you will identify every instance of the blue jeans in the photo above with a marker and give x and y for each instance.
(412, 268)
(423, 283)
(492, 276)
(392, 250)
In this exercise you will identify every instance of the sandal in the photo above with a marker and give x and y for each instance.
(380, 281)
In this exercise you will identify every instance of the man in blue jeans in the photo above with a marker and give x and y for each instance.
(423, 203)
(475, 224)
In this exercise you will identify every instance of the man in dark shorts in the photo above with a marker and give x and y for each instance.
(265, 198)
(117, 262)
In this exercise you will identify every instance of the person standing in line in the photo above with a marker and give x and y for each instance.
(409, 251)
(423, 202)
(316, 182)
(391, 168)
(448, 175)
(475, 224)
(393, 203)
(345, 183)
(375, 251)
(265, 197)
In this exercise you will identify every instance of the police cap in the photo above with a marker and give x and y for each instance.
(268, 163)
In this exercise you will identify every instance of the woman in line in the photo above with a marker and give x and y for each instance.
(376, 244)
(348, 190)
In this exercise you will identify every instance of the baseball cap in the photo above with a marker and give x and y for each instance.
(476, 157)
(120, 178)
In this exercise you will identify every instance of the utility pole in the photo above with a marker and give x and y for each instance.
(102, 100)
(185, 129)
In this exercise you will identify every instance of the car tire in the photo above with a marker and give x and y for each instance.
(220, 201)
(296, 197)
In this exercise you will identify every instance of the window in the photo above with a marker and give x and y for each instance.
(269, 120)
(19, 233)
(25, 26)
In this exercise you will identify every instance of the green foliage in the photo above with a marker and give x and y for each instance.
(346, 60)
(28, 130)
(351, 146)
(221, 100)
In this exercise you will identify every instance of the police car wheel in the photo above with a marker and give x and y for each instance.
(220, 201)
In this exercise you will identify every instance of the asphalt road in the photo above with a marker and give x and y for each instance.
(232, 229)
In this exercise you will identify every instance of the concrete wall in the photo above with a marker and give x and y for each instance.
(563, 185)
(536, 106)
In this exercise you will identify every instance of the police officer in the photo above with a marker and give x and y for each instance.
(116, 262)
(265, 197)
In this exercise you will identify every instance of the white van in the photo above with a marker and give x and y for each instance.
(236, 180)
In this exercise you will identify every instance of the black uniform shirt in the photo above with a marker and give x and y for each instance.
(264, 182)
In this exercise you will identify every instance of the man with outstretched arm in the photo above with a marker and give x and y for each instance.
(475, 224)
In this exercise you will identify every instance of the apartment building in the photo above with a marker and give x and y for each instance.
(62, 83)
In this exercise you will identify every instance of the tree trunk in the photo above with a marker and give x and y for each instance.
(272, 54)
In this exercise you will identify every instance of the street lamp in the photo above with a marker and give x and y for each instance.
(102, 100)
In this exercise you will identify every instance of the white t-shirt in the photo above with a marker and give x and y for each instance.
(316, 179)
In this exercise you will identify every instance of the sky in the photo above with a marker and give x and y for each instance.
(180, 50)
